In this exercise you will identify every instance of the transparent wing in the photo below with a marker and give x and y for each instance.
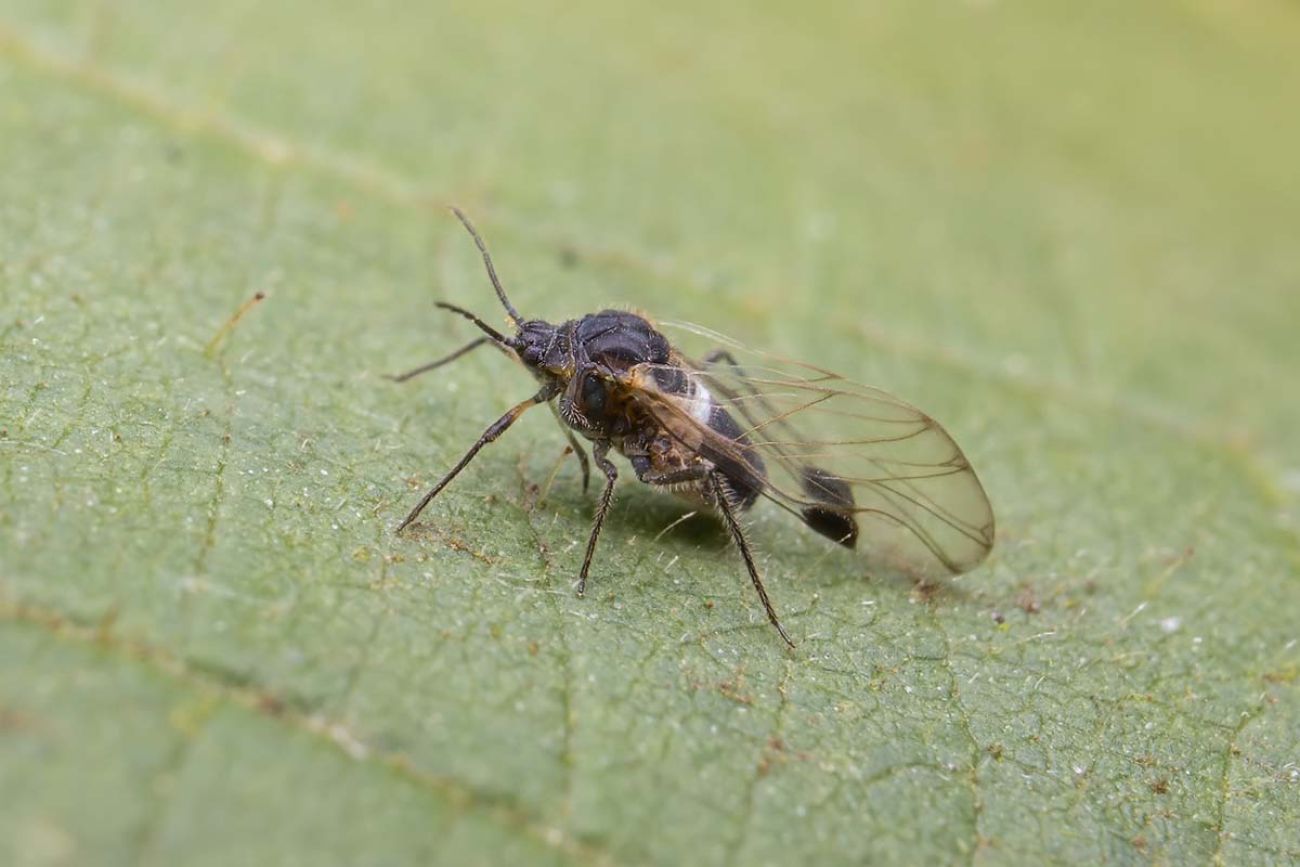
(853, 462)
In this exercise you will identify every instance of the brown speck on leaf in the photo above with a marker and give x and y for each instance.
(270, 704)
(1145, 761)
(998, 617)
(1139, 843)
(776, 753)
(926, 591)
(12, 720)
(708, 603)
(734, 688)
(995, 750)
(534, 648)
(104, 628)
(1160, 786)
(455, 543)
(1283, 675)
(1027, 600)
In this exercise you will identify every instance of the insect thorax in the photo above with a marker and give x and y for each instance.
(602, 349)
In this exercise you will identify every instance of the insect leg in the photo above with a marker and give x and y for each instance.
(675, 477)
(578, 450)
(493, 431)
(721, 355)
(446, 359)
(724, 506)
(598, 451)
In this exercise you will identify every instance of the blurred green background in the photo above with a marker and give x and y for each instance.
(1068, 230)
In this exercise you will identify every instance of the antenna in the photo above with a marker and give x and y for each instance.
(487, 262)
(483, 326)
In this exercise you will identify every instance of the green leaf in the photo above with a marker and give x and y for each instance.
(1068, 231)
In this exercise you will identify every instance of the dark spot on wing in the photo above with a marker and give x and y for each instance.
(834, 518)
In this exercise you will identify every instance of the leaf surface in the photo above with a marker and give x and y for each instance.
(1067, 232)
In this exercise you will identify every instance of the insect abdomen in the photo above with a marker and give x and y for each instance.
(744, 477)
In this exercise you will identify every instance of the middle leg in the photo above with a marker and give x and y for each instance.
(574, 444)
(599, 450)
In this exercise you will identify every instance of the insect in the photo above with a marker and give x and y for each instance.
(852, 462)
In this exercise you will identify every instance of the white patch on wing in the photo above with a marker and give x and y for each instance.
(701, 407)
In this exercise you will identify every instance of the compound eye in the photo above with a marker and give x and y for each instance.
(593, 396)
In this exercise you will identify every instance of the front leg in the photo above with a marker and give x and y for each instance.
(490, 435)
(599, 450)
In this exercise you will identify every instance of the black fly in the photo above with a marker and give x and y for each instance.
(727, 428)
